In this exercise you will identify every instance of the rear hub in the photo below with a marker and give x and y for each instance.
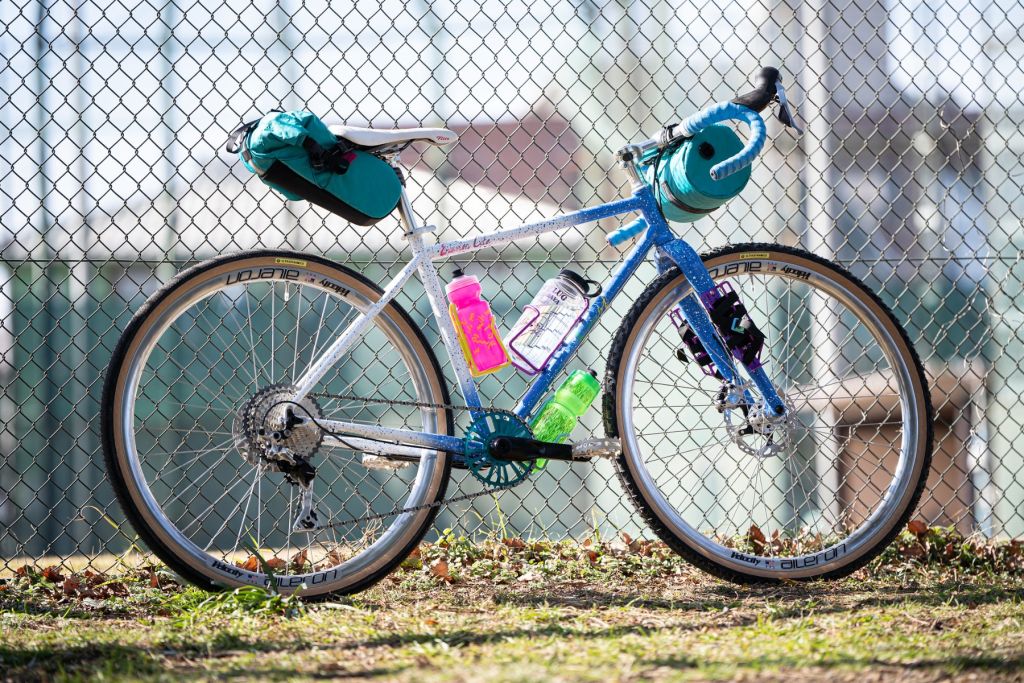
(273, 429)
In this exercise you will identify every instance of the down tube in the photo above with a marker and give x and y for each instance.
(598, 306)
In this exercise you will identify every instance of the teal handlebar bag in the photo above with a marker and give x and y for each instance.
(296, 154)
(684, 186)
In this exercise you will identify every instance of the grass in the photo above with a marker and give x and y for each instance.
(935, 607)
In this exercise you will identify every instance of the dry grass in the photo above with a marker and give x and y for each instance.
(514, 610)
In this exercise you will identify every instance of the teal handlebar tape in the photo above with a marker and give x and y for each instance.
(725, 111)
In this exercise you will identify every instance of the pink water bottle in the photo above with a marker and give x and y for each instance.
(474, 325)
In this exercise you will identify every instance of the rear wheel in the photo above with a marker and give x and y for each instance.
(213, 356)
(817, 495)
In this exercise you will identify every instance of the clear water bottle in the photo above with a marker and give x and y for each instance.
(548, 319)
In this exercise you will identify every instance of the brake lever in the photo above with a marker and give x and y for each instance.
(785, 113)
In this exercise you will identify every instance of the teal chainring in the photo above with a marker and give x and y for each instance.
(479, 461)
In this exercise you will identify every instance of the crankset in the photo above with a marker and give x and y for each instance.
(499, 451)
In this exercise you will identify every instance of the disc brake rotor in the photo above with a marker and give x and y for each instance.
(752, 428)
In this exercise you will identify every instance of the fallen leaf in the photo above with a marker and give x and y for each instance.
(914, 551)
(277, 564)
(439, 568)
(514, 543)
(917, 527)
(415, 554)
(71, 585)
(588, 542)
(52, 574)
(626, 538)
(250, 565)
(756, 538)
(154, 580)
(299, 560)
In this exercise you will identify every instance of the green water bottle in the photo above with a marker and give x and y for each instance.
(557, 418)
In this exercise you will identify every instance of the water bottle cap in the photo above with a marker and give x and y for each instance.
(575, 279)
(458, 272)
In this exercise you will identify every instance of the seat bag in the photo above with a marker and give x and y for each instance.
(296, 154)
(684, 186)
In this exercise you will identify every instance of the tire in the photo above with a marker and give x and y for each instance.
(835, 525)
(151, 398)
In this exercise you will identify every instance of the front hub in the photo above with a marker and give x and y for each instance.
(752, 426)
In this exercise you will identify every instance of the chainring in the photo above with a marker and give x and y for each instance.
(481, 464)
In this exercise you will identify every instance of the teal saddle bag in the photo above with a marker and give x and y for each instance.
(682, 177)
(295, 153)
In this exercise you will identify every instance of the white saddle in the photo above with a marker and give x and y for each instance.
(372, 137)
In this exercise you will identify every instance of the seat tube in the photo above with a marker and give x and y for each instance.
(436, 296)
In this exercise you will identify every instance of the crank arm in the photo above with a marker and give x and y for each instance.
(519, 449)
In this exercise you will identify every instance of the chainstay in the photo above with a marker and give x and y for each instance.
(422, 506)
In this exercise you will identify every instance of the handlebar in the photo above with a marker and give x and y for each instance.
(724, 111)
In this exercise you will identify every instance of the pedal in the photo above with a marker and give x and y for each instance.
(598, 447)
(379, 462)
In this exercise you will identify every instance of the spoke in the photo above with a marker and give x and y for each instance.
(316, 338)
(273, 324)
(163, 473)
(199, 382)
(298, 330)
(252, 340)
(245, 514)
(213, 505)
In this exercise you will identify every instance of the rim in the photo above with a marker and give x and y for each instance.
(206, 554)
(711, 495)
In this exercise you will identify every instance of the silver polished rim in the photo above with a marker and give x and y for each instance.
(835, 491)
(209, 530)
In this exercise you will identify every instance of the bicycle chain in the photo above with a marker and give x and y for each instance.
(422, 506)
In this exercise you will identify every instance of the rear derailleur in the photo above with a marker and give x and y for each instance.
(273, 431)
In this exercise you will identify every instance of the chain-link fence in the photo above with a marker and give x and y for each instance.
(112, 128)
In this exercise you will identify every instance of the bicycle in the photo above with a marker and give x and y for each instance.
(254, 381)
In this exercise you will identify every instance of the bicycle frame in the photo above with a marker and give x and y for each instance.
(658, 235)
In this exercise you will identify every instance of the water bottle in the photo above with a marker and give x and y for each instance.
(474, 325)
(557, 418)
(547, 320)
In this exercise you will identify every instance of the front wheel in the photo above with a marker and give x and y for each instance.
(817, 495)
(206, 463)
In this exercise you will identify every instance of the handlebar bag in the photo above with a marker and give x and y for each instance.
(296, 154)
(684, 186)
